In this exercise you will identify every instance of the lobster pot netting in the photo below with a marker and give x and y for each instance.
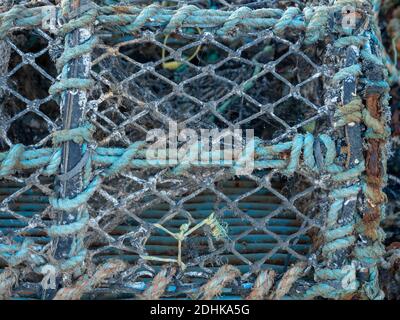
(389, 14)
(293, 98)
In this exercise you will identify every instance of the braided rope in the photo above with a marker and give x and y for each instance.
(159, 284)
(226, 23)
(262, 285)
(105, 271)
(214, 286)
(288, 279)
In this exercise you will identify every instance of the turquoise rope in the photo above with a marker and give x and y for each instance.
(289, 19)
(295, 153)
(71, 84)
(344, 73)
(124, 160)
(369, 253)
(77, 135)
(20, 255)
(69, 229)
(331, 149)
(9, 164)
(87, 19)
(179, 18)
(143, 17)
(54, 163)
(336, 238)
(69, 204)
(73, 262)
(17, 253)
(70, 53)
(349, 41)
(313, 22)
(117, 159)
(317, 27)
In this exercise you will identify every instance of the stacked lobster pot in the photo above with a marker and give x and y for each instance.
(192, 151)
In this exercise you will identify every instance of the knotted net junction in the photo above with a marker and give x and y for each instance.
(82, 203)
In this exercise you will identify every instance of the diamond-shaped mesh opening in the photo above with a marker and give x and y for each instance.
(268, 89)
(300, 68)
(207, 88)
(303, 112)
(237, 110)
(29, 83)
(28, 129)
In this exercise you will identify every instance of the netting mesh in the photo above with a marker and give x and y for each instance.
(149, 82)
(92, 204)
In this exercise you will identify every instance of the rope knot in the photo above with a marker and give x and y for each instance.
(78, 135)
(351, 112)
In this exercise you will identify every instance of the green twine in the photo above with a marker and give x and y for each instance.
(69, 229)
(76, 51)
(71, 84)
(350, 40)
(78, 135)
(69, 204)
(10, 163)
(316, 28)
(349, 113)
(344, 73)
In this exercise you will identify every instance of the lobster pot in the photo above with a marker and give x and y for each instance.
(153, 152)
